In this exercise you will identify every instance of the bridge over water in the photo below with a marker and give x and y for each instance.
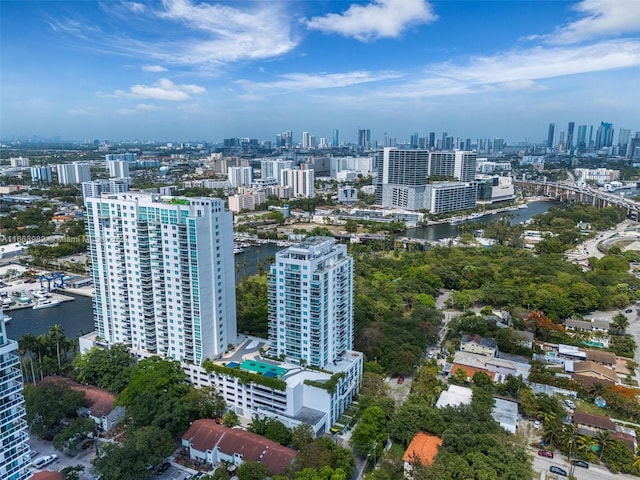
(568, 192)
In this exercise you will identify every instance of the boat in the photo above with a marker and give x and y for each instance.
(238, 250)
(7, 302)
(46, 304)
(7, 319)
(523, 205)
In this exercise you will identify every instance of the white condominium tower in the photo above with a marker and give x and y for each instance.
(14, 456)
(311, 302)
(72, 173)
(164, 274)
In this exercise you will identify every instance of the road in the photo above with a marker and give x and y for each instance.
(594, 472)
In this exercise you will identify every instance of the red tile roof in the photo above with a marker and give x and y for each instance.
(423, 446)
(470, 370)
(100, 402)
(205, 434)
(47, 475)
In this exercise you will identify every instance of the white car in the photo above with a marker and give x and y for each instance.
(536, 424)
(570, 404)
(42, 462)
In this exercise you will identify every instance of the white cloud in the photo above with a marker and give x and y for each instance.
(153, 68)
(305, 81)
(147, 107)
(81, 111)
(602, 18)
(135, 7)
(379, 19)
(163, 89)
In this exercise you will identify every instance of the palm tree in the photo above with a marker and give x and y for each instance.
(620, 322)
(603, 440)
(597, 390)
(552, 432)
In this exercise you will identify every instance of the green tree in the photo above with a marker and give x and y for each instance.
(73, 434)
(370, 432)
(252, 471)
(301, 435)
(270, 428)
(230, 419)
(604, 441)
(620, 322)
(48, 403)
(120, 462)
(105, 368)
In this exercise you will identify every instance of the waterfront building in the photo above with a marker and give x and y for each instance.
(163, 274)
(597, 175)
(459, 164)
(311, 302)
(447, 197)
(73, 173)
(41, 174)
(14, 455)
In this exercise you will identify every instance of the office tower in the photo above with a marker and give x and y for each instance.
(551, 136)
(73, 173)
(604, 135)
(364, 138)
(41, 174)
(633, 151)
(164, 274)
(311, 302)
(432, 139)
(448, 143)
(467, 144)
(590, 145)
(459, 165)
(623, 141)
(561, 144)
(336, 138)
(570, 130)
(118, 168)
(301, 182)
(498, 144)
(581, 142)
(414, 140)
(240, 176)
(305, 140)
(272, 168)
(312, 141)
(14, 456)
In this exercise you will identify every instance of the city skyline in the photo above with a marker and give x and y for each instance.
(192, 70)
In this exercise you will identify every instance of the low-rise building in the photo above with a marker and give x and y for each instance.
(211, 443)
(506, 414)
(479, 345)
(422, 450)
(253, 384)
(454, 396)
(595, 370)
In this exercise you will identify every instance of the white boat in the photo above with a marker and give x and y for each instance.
(7, 302)
(7, 319)
(46, 304)
(524, 205)
(238, 250)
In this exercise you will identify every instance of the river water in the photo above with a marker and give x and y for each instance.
(76, 317)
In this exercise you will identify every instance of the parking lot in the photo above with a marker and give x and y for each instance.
(84, 458)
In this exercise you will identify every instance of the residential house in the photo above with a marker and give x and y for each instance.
(525, 338)
(588, 424)
(454, 396)
(479, 345)
(423, 450)
(608, 359)
(211, 443)
(506, 414)
(594, 370)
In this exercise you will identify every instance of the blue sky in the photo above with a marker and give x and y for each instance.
(196, 70)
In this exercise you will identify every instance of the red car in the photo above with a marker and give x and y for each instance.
(400, 380)
(545, 453)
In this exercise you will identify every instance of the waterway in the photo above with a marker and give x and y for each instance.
(76, 317)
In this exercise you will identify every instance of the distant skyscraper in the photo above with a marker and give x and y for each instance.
(432, 139)
(300, 181)
(272, 168)
(163, 273)
(14, 456)
(311, 302)
(604, 135)
(570, 130)
(240, 176)
(305, 140)
(336, 138)
(551, 135)
(581, 142)
(414, 140)
(623, 141)
(364, 138)
(118, 168)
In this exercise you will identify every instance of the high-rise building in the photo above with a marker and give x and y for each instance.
(19, 162)
(272, 168)
(624, 135)
(551, 135)
(581, 142)
(311, 302)
(460, 165)
(364, 138)
(300, 181)
(305, 140)
(164, 274)
(414, 140)
(118, 168)
(73, 173)
(432, 139)
(95, 188)
(122, 157)
(240, 176)
(336, 138)
(15, 454)
(570, 129)
(41, 174)
(604, 135)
